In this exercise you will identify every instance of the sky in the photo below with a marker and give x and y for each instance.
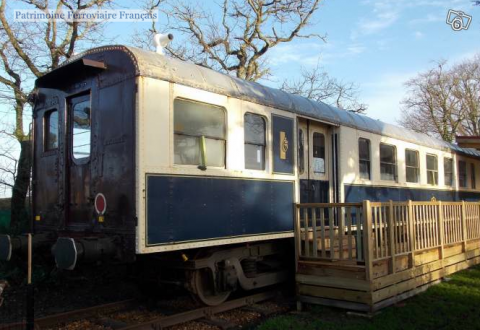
(377, 44)
(380, 44)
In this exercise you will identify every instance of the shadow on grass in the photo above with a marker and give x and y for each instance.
(450, 305)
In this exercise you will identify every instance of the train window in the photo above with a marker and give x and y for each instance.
(412, 168)
(199, 137)
(432, 170)
(472, 175)
(388, 162)
(462, 174)
(254, 127)
(448, 171)
(364, 158)
(81, 130)
(318, 153)
(50, 130)
(301, 151)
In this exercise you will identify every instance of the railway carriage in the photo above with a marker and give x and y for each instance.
(140, 156)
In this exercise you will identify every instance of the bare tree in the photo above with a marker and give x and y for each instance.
(444, 102)
(237, 40)
(27, 51)
(317, 85)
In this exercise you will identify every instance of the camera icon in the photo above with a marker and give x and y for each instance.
(458, 20)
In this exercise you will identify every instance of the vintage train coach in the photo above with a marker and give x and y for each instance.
(137, 155)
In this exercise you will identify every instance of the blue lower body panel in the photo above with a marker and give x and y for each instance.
(198, 208)
(356, 193)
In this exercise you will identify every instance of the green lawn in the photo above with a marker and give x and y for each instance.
(449, 305)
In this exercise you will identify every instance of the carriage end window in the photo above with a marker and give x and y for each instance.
(448, 171)
(412, 167)
(432, 170)
(364, 158)
(318, 153)
(81, 129)
(199, 134)
(50, 137)
(462, 174)
(388, 162)
(254, 126)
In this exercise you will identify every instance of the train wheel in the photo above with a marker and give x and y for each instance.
(204, 288)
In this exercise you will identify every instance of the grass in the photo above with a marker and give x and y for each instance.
(449, 305)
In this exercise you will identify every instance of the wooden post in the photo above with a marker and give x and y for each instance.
(314, 232)
(331, 229)
(298, 240)
(391, 237)
(440, 229)
(341, 219)
(306, 231)
(367, 240)
(411, 233)
(464, 227)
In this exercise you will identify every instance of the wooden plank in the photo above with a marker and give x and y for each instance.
(334, 282)
(332, 293)
(426, 256)
(391, 238)
(359, 243)
(473, 244)
(367, 240)
(392, 279)
(314, 231)
(331, 272)
(402, 287)
(306, 233)
(411, 229)
(331, 229)
(341, 218)
(349, 232)
(403, 296)
(401, 263)
(322, 234)
(380, 268)
(328, 205)
(464, 226)
(440, 229)
(298, 240)
(335, 303)
(453, 250)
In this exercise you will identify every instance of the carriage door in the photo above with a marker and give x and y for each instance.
(78, 159)
(313, 162)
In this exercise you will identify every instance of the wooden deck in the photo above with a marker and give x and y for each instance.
(366, 256)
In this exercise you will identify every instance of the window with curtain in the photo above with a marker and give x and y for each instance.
(199, 134)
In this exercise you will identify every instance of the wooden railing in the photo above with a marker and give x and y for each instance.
(335, 231)
(330, 231)
(370, 255)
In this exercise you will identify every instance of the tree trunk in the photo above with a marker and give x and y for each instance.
(19, 218)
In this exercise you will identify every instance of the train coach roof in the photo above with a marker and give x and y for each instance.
(151, 64)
